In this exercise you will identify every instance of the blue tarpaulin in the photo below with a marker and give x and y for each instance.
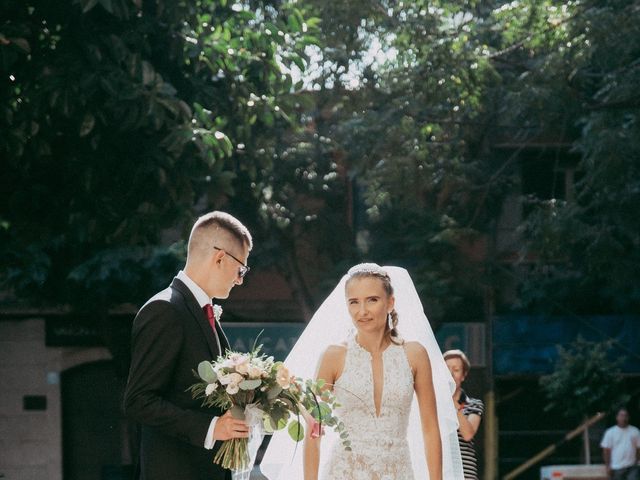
(527, 345)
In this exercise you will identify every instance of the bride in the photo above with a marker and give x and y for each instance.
(388, 374)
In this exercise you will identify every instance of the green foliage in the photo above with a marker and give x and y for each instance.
(585, 381)
(416, 128)
(405, 97)
(576, 76)
(206, 372)
(296, 431)
(121, 119)
(117, 118)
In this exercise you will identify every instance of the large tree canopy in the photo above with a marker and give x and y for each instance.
(419, 93)
(117, 117)
(575, 70)
(340, 132)
(401, 95)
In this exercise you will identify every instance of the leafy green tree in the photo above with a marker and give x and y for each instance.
(403, 84)
(120, 120)
(585, 381)
(123, 118)
(298, 202)
(570, 71)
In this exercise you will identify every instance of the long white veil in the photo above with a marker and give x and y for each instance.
(331, 324)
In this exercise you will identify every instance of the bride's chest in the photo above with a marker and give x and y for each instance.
(368, 385)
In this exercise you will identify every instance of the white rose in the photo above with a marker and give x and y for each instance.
(235, 378)
(232, 389)
(255, 372)
(243, 368)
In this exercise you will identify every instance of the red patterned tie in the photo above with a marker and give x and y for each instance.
(208, 309)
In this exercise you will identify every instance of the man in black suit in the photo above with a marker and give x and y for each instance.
(172, 333)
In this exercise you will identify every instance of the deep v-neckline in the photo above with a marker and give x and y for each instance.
(377, 410)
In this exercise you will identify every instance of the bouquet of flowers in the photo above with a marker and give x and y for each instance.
(264, 394)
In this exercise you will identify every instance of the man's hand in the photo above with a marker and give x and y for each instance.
(228, 427)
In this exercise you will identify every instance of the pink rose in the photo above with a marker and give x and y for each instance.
(283, 377)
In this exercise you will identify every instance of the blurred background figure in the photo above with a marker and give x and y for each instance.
(469, 412)
(621, 448)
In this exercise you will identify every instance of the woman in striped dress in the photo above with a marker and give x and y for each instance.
(470, 412)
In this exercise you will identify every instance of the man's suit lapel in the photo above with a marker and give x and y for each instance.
(198, 316)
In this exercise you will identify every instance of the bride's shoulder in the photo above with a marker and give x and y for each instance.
(332, 362)
(415, 347)
(416, 353)
(335, 352)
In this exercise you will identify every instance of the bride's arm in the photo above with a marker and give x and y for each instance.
(425, 394)
(327, 370)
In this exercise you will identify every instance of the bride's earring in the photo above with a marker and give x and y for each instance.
(390, 321)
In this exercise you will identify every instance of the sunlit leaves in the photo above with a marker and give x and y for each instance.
(129, 113)
(584, 370)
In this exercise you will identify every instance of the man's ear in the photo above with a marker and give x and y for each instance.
(218, 256)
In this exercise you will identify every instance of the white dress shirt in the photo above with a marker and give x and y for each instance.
(202, 299)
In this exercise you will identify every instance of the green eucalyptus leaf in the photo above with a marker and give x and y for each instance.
(274, 391)
(266, 424)
(296, 431)
(206, 372)
(250, 384)
(277, 424)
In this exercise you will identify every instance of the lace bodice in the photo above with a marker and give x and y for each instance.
(379, 443)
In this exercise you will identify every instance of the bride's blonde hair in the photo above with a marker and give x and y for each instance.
(373, 270)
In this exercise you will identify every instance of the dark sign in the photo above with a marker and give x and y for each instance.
(277, 338)
(71, 332)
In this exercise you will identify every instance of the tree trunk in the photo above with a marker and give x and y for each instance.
(586, 446)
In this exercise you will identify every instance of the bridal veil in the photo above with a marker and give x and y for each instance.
(331, 324)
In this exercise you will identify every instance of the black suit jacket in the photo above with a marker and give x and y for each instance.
(170, 337)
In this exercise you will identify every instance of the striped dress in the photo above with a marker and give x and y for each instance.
(467, 449)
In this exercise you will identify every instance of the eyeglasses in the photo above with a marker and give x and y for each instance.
(243, 269)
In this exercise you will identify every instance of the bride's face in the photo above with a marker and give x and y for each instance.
(368, 303)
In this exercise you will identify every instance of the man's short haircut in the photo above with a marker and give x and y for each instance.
(466, 365)
(230, 224)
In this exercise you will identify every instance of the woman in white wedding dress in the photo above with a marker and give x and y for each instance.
(376, 351)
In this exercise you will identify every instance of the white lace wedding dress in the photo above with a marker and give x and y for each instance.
(379, 444)
(380, 450)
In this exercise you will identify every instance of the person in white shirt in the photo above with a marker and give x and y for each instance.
(621, 448)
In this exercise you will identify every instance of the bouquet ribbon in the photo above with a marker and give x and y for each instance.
(253, 414)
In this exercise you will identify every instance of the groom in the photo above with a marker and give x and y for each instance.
(172, 333)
